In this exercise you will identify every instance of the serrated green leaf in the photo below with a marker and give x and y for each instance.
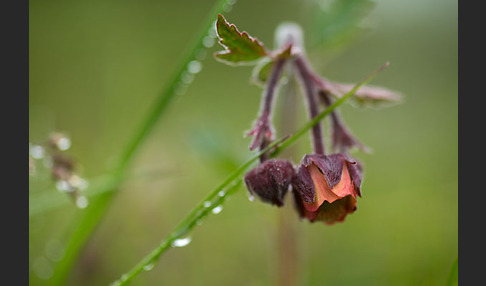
(239, 46)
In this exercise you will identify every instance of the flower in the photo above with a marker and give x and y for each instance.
(270, 180)
(325, 187)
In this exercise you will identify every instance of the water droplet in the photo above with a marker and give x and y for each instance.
(37, 152)
(63, 143)
(251, 198)
(221, 193)
(207, 204)
(149, 267)
(198, 222)
(208, 41)
(43, 268)
(82, 202)
(181, 242)
(181, 88)
(64, 186)
(124, 278)
(217, 209)
(227, 7)
(187, 77)
(212, 31)
(194, 67)
(54, 250)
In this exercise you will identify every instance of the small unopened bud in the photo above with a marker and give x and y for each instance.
(270, 181)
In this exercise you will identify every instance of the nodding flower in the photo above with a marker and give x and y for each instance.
(270, 181)
(326, 187)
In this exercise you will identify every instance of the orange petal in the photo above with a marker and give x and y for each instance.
(322, 190)
(345, 186)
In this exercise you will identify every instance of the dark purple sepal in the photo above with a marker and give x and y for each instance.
(303, 185)
(331, 166)
(355, 169)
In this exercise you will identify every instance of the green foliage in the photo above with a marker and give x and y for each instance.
(454, 275)
(239, 46)
(335, 22)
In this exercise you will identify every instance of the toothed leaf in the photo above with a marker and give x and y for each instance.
(240, 48)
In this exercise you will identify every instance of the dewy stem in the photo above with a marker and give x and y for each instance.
(312, 104)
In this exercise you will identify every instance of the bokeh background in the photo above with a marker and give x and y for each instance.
(96, 67)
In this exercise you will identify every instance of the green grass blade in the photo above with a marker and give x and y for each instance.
(90, 216)
(454, 274)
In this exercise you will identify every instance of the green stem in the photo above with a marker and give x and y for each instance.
(95, 211)
(225, 189)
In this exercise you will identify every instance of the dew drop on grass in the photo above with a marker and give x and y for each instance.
(123, 278)
(149, 267)
(37, 152)
(217, 209)
(63, 143)
(42, 268)
(208, 41)
(207, 204)
(221, 193)
(194, 67)
(63, 186)
(181, 242)
(227, 7)
(54, 250)
(251, 198)
(81, 202)
(187, 77)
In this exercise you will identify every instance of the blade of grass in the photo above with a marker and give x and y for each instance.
(454, 274)
(94, 212)
(218, 195)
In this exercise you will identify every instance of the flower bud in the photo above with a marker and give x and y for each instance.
(270, 180)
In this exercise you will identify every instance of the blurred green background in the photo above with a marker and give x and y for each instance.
(96, 67)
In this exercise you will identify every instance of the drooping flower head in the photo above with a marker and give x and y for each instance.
(325, 187)
(270, 181)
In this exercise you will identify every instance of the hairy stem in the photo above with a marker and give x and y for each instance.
(312, 104)
(263, 129)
